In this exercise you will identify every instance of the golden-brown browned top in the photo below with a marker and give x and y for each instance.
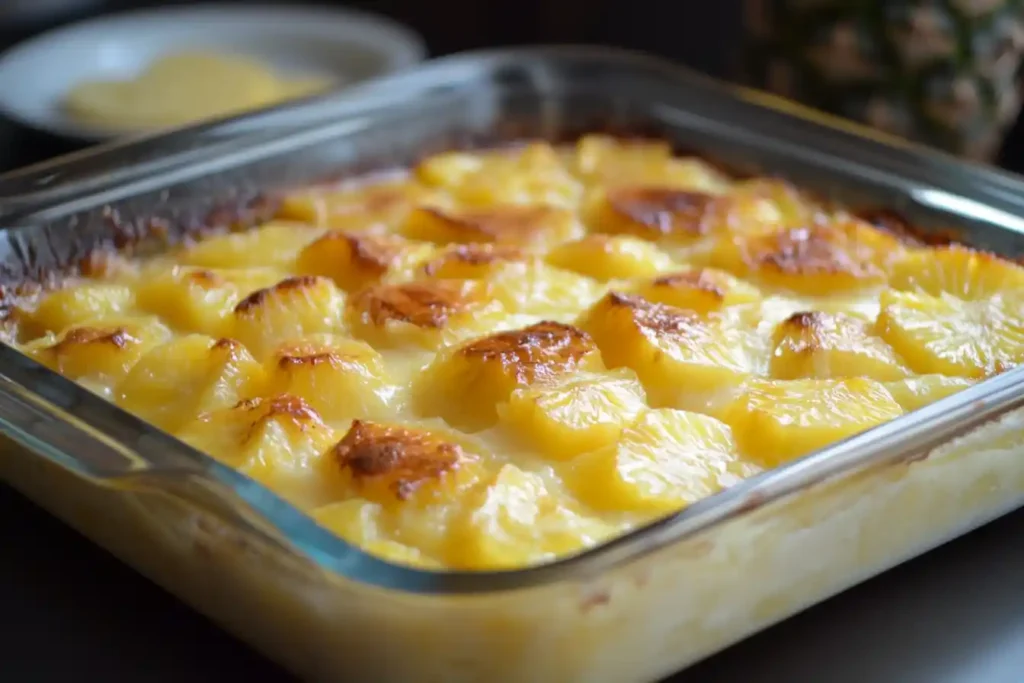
(505, 357)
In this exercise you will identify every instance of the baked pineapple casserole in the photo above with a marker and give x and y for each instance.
(501, 357)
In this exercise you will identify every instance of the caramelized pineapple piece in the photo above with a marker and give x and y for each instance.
(653, 213)
(536, 289)
(278, 441)
(957, 270)
(356, 261)
(340, 378)
(610, 161)
(762, 207)
(607, 257)
(274, 244)
(775, 422)
(665, 461)
(189, 375)
(364, 207)
(101, 353)
(702, 291)
(524, 226)
(358, 521)
(428, 313)
(419, 477)
(77, 304)
(575, 413)
(529, 174)
(831, 346)
(473, 261)
(292, 308)
(917, 392)
(819, 260)
(198, 299)
(516, 521)
(464, 385)
(683, 360)
(950, 336)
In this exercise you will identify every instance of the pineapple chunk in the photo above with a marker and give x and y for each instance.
(294, 307)
(524, 226)
(683, 360)
(665, 461)
(917, 392)
(101, 353)
(428, 314)
(464, 385)
(702, 291)
(949, 336)
(364, 207)
(176, 381)
(339, 377)
(957, 270)
(278, 441)
(358, 521)
(77, 304)
(197, 299)
(274, 244)
(574, 414)
(607, 257)
(515, 521)
(473, 261)
(529, 174)
(536, 289)
(610, 161)
(775, 422)
(760, 207)
(831, 346)
(355, 261)
(652, 213)
(819, 260)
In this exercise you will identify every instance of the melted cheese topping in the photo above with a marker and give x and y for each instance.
(509, 356)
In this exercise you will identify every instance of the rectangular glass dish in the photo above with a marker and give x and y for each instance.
(636, 608)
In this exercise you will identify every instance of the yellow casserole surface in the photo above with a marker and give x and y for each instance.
(502, 357)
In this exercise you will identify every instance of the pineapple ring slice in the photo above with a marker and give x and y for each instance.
(608, 257)
(703, 290)
(423, 313)
(465, 385)
(831, 346)
(949, 336)
(666, 460)
(575, 413)
(355, 261)
(683, 361)
(653, 213)
(957, 270)
(342, 378)
(778, 421)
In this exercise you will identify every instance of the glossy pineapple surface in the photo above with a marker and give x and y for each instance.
(507, 356)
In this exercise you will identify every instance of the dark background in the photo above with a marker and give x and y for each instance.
(73, 613)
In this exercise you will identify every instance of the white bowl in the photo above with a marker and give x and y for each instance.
(346, 45)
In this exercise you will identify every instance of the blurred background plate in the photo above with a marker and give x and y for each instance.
(344, 45)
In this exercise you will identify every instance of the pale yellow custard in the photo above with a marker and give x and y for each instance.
(508, 356)
(183, 88)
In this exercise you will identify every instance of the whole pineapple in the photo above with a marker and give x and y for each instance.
(942, 72)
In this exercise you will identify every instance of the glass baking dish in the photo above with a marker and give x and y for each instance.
(635, 609)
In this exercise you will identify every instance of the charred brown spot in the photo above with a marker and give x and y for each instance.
(699, 280)
(537, 352)
(809, 331)
(204, 278)
(370, 252)
(473, 254)
(658, 319)
(664, 211)
(809, 251)
(291, 408)
(509, 224)
(260, 296)
(423, 304)
(118, 337)
(404, 458)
